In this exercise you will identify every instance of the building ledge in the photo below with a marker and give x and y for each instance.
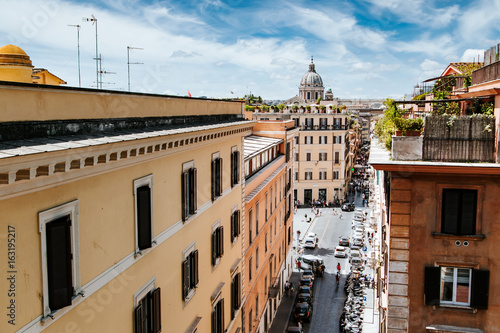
(464, 237)
(451, 329)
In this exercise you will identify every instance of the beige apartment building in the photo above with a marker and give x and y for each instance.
(268, 222)
(122, 211)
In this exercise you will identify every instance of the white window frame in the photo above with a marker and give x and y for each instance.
(146, 180)
(214, 227)
(47, 216)
(455, 280)
(187, 251)
(146, 289)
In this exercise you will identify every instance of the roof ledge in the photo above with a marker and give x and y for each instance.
(451, 329)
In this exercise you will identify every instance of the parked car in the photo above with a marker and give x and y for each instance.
(303, 311)
(308, 260)
(304, 281)
(355, 254)
(304, 298)
(340, 252)
(310, 243)
(358, 241)
(312, 235)
(356, 262)
(348, 207)
(304, 290)
(308, 274)
(344, 241)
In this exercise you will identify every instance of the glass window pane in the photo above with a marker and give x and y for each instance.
(446, 284)
(463, 285)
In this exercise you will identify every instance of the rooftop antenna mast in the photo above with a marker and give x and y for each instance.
(100, 72)
(131, 63)
(77, 26)
(97, 59)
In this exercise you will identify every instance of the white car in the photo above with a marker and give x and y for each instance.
(358, 241)
(312, 235)
(340, 252)
(310, 243)
(355, 254)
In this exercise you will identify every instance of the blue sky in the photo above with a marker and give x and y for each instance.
(361, 48)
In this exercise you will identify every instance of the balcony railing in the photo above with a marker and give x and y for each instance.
(486, 73)
(324, 127)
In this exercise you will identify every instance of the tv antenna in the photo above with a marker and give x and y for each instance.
(97, 59)
(131, 63)
(101, 72)
(77, 26)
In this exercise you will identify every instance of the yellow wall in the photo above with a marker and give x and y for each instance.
(16, 74)
(107, 235)
(26, 104)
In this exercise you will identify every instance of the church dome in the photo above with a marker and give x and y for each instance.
(311, 78)
(15, 64)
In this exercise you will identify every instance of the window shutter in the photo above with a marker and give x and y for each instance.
(185, 194)
(156, 311)
(238, 291)
(233, 298)
(238, 224)
(480, 288)
(237, 167)
(144, 217)
(186, 268)
(59, 268)
(219, 177)
(213, 174)
(431, 285)
(194, 191)
(221, 303)
(138, 319)
(468, 210)
(450, 212)
(195, 268)
(214, 247)
(233, 168)
(214, 320)
(233, 226)
(221, 241)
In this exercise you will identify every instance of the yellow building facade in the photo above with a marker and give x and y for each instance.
(121, 212)
(268, 222)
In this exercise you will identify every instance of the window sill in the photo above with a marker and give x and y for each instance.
(466, 237)
(60, 312)
(460, 308)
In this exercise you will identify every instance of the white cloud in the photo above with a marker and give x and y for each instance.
(473, 55)
(480, 21)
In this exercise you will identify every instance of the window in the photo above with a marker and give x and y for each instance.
(235, 167)
(235, 294)
(265, 242)
(275, 194)
(459, 211)
(218, 317)
(296, 157)
(235, 225)
(143, 212)
(256, 258)
(322, 175)
(257, 304)
(216, 176)
(296, 175)
(60, 256)
(323, 156)
(296, 138)
(257, 218)
(250, 268)
(308, 156)
(456, 286)
(337, 158)
(265, 208)
(250, 225)
(323, 139)
(308, 175)
(287, 153)
(271, 202)
(335, 175)
(250, 321)
(148, 309)
(217, 243)
(189, 191)
(271, 232)
(189, 272)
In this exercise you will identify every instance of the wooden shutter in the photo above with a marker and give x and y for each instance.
(195, 268)
(238, 226)
(238, 291)
(449, 220)
(237, 175)
(59, 267)
(214, 178)
(233, 298)
(219, 177)
(139, 319)
(431, 285)
(156, 320)
(214, 320)
(221, 241)
(194, 191)
(233, 226)
(185, 195)
(144, 217)
(186, 270)
(221, 304)
(233, 168)
(468, 212)
(480, 288)
(214, 247)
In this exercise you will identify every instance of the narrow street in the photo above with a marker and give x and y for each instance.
(328, 298)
